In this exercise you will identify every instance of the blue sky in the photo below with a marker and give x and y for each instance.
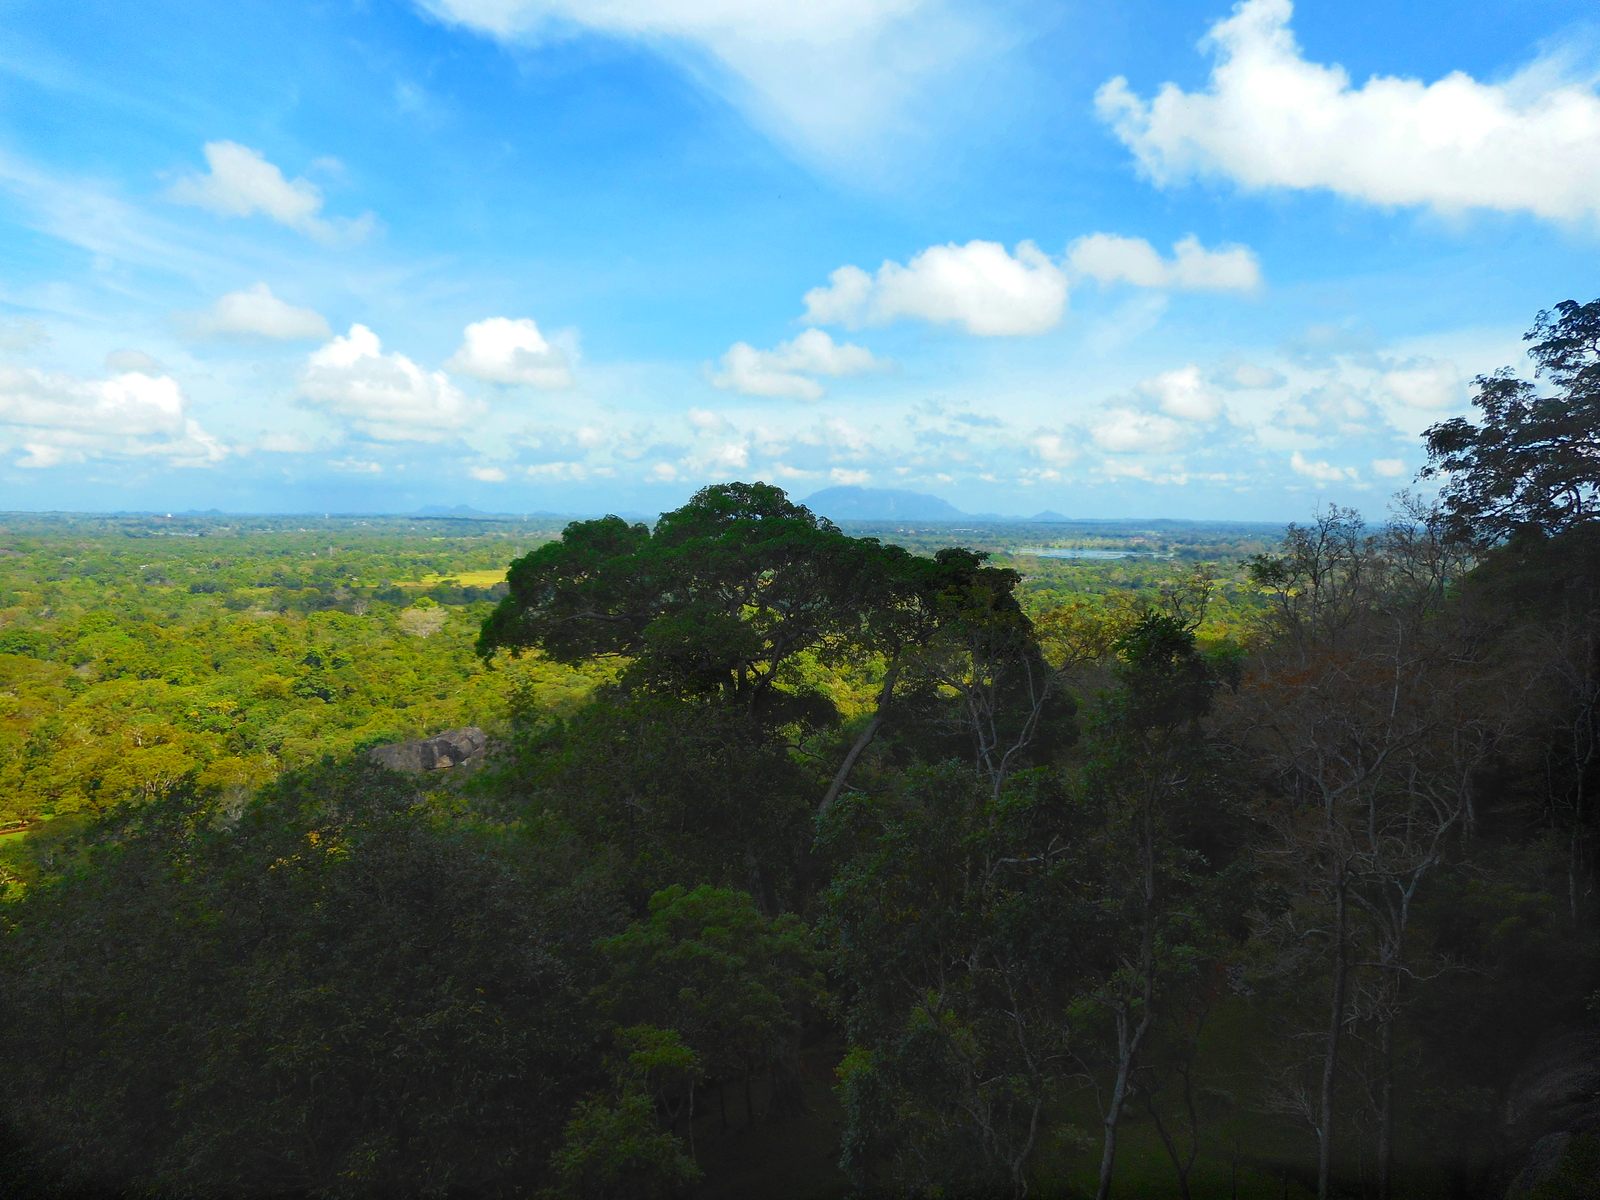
(1147, 259)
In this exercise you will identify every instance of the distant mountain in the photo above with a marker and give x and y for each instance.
(880, 504)
(440, 510)
(1049, 514)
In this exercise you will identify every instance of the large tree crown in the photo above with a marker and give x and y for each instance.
(1533, 464)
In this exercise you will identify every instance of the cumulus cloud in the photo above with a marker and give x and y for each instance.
(1248, 375)
(1389, 468)
(1128, 431)
(386, 396)
(284, 443)
(1111, 259)
(557, 472)
(58, 418)
(706, 421)
(241, 182)
(1320, 471)
(487, 474)
(980, 286)
(1183, 393)
(785, 370)
(133, 360)
(1270, 118)
(256, 313)
(832, 75)
(1427, 384)
(22, 335)
(502, 350)
(1054, 448)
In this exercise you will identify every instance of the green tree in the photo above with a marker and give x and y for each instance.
(1162, 851)
(1533, 465)
(959, 920)
(334, 991)
(733, 983)
(614, 1149)
(714, 602)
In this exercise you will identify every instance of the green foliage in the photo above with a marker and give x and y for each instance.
(715, 601)
(225, 656)
(332, 991)
(1081, 877)
(676, 790)
(614, 1151)
(733, 983)
(1532, 465)
(959, 921)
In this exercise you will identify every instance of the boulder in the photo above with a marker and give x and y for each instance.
(1558, 1090)
(1556, 1096)
(443, 751)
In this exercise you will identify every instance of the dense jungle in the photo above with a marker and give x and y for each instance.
(811, 861)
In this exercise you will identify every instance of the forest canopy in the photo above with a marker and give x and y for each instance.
(806, 862)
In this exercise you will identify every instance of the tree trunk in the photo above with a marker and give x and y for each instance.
(1178, 1165)
(1386, 1107)
(788, 1088)
(1127, 1053)
(842, 776)
(1330, 1063)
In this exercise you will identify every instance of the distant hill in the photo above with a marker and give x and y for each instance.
(441, 510)
(879, 504)
(1049, 514)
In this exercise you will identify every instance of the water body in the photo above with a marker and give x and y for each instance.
(1041, 553)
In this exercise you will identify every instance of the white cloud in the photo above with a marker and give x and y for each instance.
(664, 471)
(1183, 393)
(1272, 119)
(1053, 448)
(60, 418)
(502, 350)
(730, 457)
(1320, 471)
(133, 360)
(1127, 431)
(784, 370)
(487, 474)
(1248, 375)
(557, 472)
(784, 471)
(386, 396)
(284, 443)
(1389, 468)
(1110, 259)
(833, 75)
(850, 478)
(22, 335)
(978, 286)
(242, 183)
(356, 466)
(706, 421)
(256, 313)
(1426, 384)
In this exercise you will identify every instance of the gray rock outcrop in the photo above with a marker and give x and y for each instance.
(443, 751)
(1556, 1096)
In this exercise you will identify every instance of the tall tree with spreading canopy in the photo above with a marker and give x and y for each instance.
(1534, 463)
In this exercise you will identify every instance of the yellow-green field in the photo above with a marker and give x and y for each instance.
(481, 579)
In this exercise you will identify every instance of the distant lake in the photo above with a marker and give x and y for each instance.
(1093, 553)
